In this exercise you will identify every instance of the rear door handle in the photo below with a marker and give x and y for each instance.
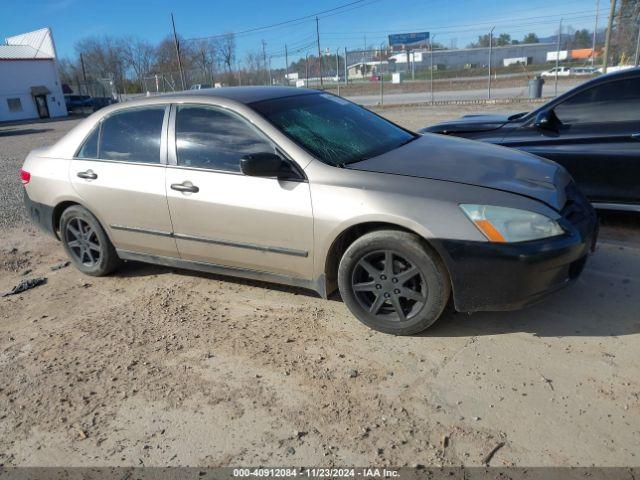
(185, 187)
(88, 175)
(635, 136)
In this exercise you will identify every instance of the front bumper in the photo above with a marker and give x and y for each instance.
(502, 276)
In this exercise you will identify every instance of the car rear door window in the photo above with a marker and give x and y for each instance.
(617, 101)
(132, 135)
(208, 137)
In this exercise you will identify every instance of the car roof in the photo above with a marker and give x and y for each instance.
(244, 95)
(627, 73)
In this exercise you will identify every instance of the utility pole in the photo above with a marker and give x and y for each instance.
(264, 55)
(269, 66)
(177, 45)
(595, 32)
(607, 40)
(638, 43)
(557, 58)
(364, 52)
(204, 67)
(412, 57)
(346, 68)
(338, 71)
(84, 75)
(490, 55)
(306, 63)
(286, 63)
(319, 54)
(431, 67)
(380, 73)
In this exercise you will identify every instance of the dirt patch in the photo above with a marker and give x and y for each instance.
(158, 366)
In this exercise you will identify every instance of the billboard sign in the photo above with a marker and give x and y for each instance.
(408, 39)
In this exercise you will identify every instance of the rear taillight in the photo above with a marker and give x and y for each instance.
(25, 176)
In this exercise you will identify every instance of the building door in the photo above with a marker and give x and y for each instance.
(41, 105)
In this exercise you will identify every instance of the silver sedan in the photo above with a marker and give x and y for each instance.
(305, 188)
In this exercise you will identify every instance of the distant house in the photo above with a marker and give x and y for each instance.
(29, 80)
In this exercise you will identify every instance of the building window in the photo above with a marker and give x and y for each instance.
(15, 105)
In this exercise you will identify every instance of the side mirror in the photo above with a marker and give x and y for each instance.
(545, 120)
(266, 164)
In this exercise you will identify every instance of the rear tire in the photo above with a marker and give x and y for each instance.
(393, 282)
(86, 242)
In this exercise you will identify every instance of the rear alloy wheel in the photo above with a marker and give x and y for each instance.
(86, 242)
(83, 242)
(393, 282)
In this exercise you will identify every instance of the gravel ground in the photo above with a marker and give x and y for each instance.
(158, 366)
(16, 141)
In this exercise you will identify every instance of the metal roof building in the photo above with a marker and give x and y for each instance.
(29, 81)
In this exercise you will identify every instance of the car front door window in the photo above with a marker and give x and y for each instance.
(213, 139)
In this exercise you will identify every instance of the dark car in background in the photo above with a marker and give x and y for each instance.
(78, 103)
(86, 103)
(101, 102)
(593, 131)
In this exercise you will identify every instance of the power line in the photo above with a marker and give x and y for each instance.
(504, 21)
(286, 22)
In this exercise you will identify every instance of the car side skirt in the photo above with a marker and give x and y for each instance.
(317, 285)
(626, 207)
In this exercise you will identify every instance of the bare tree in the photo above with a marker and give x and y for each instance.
(139, 55)
(206, 58)
(104, 58)
(227, 50)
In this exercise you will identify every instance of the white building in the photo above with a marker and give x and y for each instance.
(29, 81)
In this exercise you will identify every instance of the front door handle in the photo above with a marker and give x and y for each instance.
(88, 175)
(185, 187)
(635, 136)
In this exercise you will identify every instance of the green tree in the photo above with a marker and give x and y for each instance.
(503, 39)
(498, 40)
(582, 39)
(531, 38)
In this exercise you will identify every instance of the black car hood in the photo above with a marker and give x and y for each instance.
(459, 160)
(469, 123)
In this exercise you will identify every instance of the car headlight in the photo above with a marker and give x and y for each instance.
(502, 224)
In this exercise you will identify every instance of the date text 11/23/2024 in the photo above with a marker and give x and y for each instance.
(316, 472)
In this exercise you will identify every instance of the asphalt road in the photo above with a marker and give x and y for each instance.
(479, 94)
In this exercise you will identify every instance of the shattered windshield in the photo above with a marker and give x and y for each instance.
(333, 130)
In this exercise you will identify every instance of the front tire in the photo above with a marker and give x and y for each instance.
(86, 242)
(393, 282)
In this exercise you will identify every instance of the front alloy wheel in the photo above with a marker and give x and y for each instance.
(388, 285)
(394, 282)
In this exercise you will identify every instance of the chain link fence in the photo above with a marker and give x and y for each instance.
(383, 76)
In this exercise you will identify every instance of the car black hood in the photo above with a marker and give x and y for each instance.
(459, 160)
(469, 123)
